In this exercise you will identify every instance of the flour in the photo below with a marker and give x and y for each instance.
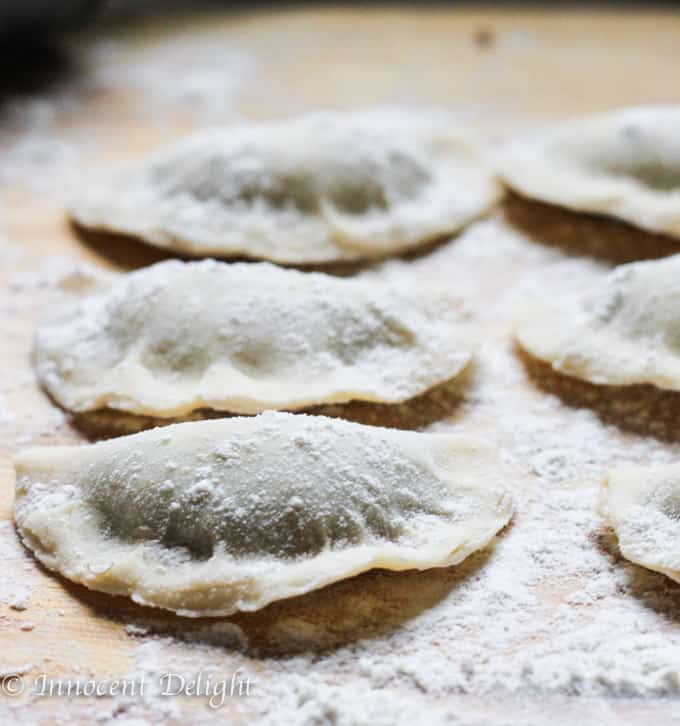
(15, 592)
(354, 496)
(7, 418)
(623, 164)
(621, 330)
(551, 618)
(20, 602)
(176, 337)
(552, 610)
(313, 189)
(197, 74)
(10, 253)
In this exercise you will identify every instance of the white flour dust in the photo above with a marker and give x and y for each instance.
(43, 146)
(550, 613)
(551, 610)
(199, 75)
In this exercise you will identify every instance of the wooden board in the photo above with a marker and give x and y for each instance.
(499, 70)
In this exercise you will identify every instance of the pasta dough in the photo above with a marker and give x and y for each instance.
(211, 517)
(178, 336)
(625, 164)
(642, 503)
(625, 331)
(319, 188)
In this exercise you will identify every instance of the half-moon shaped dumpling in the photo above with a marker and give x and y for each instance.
(211, 517)
(642, 503)
(625, 331)
(178, 336)
(624, 164)
(319, 188)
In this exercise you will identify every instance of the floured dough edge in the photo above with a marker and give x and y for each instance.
(341, 246)
(197, 596)
(618, 498)
(250, 405)
(542, 331)
(450, 336)
(524, 167)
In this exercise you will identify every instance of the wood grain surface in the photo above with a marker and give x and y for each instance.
(501, 70)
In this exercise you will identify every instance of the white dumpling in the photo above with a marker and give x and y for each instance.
(624, 331)
(318, 188)
(624, 164)
(178, 336)
(642, 504)
(211, 517)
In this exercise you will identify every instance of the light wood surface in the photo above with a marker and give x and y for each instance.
(502, 71)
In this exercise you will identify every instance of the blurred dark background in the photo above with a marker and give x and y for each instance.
(40, 39)
(23, 21)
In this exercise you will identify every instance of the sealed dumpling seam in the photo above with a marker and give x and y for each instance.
(319, 188)
(211, 517)
(624, 164)
(623, 329)
(642, 504)
(176, 337)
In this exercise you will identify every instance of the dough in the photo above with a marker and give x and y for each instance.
(625, 331)
(642, 504)
(625, 164)
(315, 189)
(178, 336)
(211, 517)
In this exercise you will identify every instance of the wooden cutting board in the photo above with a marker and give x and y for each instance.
(500, 70)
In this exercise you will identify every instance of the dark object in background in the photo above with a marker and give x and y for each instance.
(22, 20)
(485, 38)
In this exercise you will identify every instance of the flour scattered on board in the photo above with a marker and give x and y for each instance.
(199, 75)
(553, 610)
(196, 76)
(15, 591)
